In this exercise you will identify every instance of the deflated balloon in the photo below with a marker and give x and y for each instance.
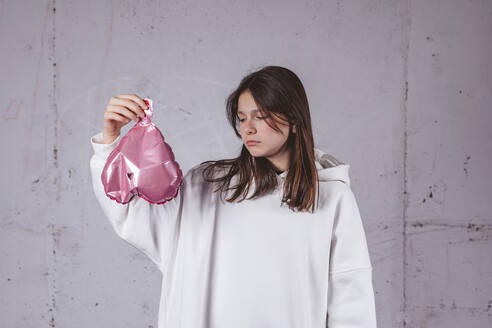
(142, 164)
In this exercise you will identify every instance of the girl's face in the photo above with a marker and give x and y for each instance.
(253, 126)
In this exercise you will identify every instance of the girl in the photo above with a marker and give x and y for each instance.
(272, 238)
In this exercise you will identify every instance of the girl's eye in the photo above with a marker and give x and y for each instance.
(260, 117)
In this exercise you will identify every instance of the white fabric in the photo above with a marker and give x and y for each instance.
(253, 264)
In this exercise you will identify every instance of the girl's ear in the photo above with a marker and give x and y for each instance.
(293, 129)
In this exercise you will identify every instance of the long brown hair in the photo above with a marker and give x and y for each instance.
(277, 92)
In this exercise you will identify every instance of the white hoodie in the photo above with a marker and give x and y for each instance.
(253, 264)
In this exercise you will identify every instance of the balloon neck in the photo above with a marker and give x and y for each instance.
(148, 113)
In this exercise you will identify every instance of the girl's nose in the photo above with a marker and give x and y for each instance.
(249, 128)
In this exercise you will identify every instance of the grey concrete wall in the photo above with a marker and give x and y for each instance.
(401, 90)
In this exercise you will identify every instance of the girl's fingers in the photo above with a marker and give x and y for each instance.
(129, 103)
(116, 117)
(123, 111)
(135, 98)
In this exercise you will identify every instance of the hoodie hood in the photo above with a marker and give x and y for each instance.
(329, 168)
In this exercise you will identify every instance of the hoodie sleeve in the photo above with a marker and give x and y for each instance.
(151, 228)
(350, 290)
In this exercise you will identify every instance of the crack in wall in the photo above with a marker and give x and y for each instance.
(405, 50)
(52, 287)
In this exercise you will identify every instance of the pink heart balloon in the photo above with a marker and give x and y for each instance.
(142, 164)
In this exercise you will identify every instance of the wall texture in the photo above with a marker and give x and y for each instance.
(401, 90)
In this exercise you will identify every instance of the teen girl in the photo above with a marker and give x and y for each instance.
(270, 239)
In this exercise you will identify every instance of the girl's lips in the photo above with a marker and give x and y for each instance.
(251, 143)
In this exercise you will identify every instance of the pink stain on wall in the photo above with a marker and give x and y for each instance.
(7, 222)
(36, 87)
(105, 59)
(12, 110)
(1, 9)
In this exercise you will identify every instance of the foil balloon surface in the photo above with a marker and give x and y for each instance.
(143, 165)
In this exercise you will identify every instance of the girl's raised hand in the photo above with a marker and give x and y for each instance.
(120, 110)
